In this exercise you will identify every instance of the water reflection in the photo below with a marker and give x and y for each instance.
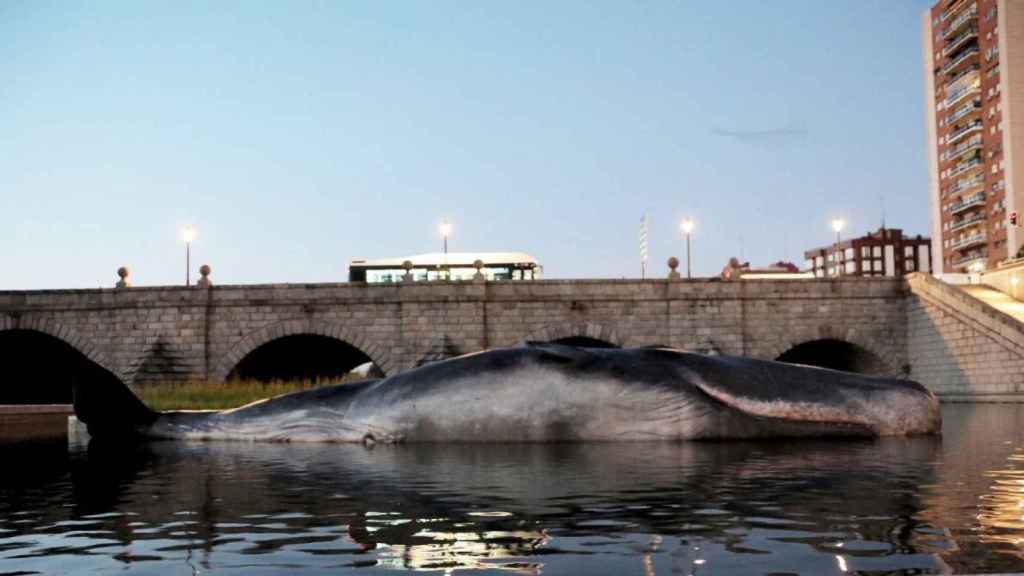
(897, 506)
(977, 493)
(794, 507)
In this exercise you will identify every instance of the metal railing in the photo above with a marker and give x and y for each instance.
(968, 241)
(951, 11)
(972, 142)
(967, 222)
(956, 134)
(959, 20)
(964, 111)
(953, 63)
(966, 203)
(957, 42)
(970, 257)
(959, 93)
(964, 166)
(964, 184)
(954, 78)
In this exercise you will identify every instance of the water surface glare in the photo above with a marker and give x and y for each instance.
(894, 506)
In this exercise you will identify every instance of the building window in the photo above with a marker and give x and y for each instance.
(878, 251)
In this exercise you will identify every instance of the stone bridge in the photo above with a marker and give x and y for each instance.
(149, 335)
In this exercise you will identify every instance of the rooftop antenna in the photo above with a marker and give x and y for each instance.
(881, 200)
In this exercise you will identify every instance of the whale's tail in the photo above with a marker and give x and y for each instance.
(109, 408)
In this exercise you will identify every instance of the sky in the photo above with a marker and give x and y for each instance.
(296, 136)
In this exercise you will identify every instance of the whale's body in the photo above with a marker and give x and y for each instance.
(553, 393)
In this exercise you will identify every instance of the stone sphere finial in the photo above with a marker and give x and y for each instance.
(479, 265)
(204, 280)
(407, 265)
(123, 273)
(673, 263)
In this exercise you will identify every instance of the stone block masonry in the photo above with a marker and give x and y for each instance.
(962, 348)
(159, 334)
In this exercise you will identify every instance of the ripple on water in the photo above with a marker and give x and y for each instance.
(912, 506)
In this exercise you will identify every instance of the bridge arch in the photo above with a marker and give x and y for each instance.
(41, 367)
(579, 334)
(317, 330)
(63, 333)
(881, 343)
(838, 355)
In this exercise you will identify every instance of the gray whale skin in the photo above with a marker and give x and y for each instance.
(543, 392)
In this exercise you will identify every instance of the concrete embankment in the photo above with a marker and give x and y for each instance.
(35, 421)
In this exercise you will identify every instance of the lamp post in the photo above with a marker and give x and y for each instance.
(687, 227)
(446, 229)
(188, 234)
(837, 225)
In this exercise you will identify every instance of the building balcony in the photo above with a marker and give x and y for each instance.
(963, 167)
(956, 43)
(965, 110)
(959, 133)
(968, 241)
(972, 143)
(954, 10)
(952, 64)
(958, 22)
(965, 184)
(966, 222)
(968, 203)
(961, 92)
(969, 259)
(952, 80)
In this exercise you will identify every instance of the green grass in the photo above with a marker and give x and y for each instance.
(202, 395)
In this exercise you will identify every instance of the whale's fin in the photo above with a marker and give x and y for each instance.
(109, 408)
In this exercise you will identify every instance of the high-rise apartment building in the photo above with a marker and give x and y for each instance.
(974, 97)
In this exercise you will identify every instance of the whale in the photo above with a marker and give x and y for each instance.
(548, 392)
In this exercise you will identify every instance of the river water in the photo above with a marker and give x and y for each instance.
(894, 506)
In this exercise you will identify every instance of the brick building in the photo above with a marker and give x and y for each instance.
(886, 252)
(973, 63)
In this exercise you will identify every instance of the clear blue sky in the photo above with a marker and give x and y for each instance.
(299, 135)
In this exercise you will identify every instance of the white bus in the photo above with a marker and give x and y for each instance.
(451, 266)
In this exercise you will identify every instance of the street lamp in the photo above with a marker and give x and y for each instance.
(687, 227)
(188, 234)
(837, 225)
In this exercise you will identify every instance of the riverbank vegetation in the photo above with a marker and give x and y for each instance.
(203, 395)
